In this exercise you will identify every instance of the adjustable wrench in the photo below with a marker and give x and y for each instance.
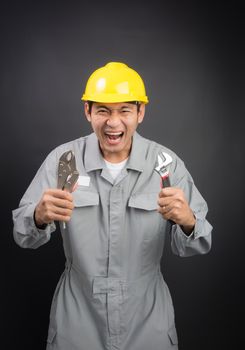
(164, 160)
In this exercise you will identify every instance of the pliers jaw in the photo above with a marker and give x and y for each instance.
(67, 172)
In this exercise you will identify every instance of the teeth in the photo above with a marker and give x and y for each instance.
(114, 133)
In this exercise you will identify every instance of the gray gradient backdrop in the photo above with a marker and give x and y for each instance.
(192, 60)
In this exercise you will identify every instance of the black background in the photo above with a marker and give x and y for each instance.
(191, 57)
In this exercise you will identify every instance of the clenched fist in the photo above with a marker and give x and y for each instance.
(174, 206)
(55, 205)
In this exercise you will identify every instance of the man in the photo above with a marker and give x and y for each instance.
(112, 294)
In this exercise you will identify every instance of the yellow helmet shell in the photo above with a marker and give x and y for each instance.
(115, 82)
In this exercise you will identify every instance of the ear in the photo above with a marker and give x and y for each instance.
(141, 113)
(86, 111)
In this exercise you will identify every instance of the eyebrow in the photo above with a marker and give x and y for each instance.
(108, 109)
(101, 106)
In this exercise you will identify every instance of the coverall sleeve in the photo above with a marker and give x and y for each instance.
(199, 241)
(25, 232)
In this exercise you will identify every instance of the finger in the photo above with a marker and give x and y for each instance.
(161, 210)
(59, 217)
(62, 203)
(165, 209)
(61, 211)
(168, 191)
(167, 213)
(164, 213)
(165, 201)
(64, 194)
(57, 214)
(57, 193)
(49, 202)
(171, 209)
(173, 214)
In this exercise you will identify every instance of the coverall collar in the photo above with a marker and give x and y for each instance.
(93, 159)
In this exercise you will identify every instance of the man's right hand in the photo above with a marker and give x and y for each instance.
(55, 205)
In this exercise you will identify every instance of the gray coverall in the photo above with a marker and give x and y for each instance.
(111, 294)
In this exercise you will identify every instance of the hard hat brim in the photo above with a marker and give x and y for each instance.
(113, 98)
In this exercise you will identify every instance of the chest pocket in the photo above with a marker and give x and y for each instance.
(143, 211)
(85, 214)
(85, 198)
(144, 201)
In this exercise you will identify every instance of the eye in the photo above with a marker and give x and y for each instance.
(125, 111)
(102, 111)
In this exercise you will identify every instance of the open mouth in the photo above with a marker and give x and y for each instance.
(114, 137)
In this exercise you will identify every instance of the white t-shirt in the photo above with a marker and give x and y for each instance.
(115, 168)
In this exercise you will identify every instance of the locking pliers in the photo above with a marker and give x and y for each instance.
(67, 172)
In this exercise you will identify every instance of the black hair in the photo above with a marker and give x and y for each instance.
(90, 104)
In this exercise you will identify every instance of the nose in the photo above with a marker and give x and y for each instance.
(113, 120)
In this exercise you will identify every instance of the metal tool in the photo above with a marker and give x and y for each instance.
(164, 160)
(67, 173)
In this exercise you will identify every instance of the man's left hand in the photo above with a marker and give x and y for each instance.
(174, 206)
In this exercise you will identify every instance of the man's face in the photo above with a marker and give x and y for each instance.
(114, 124)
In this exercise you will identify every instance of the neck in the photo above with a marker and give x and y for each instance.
(112, 158)
(116, 157)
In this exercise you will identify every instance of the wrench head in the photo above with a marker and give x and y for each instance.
(163, 160)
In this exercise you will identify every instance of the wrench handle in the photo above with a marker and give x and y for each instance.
(165, 181)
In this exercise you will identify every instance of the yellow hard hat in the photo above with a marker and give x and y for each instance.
(115, 82)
